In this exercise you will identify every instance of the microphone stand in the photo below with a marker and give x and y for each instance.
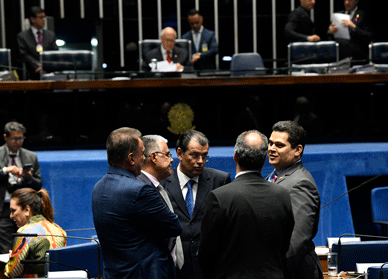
(46, 261)
(73, 237)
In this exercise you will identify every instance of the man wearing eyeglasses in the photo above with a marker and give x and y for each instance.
(188, 187)
(19, 168)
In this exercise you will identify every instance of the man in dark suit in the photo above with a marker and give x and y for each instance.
(131, 221)
(299, 27)
(169, 52)
(285, 151)
(203, 42)
(156, 168)
(359, 31)
(34, 40)
(188, 187)
(19, 168)
(248, 223)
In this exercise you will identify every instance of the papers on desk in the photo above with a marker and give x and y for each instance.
(164, 66)
(343, 31)
(4, 258)
(67, 274)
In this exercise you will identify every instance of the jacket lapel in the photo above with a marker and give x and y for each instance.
(176, 193)
(203, 189)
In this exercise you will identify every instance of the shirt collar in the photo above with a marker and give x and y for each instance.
(10, 153)
(183, 178)
(244, 172)
(199, 31)
(152, 178)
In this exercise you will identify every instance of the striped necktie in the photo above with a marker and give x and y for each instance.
(190, 198)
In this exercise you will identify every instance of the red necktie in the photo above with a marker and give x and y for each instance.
(274, 178)
(168, 57)
(13, 163)
(40, 39)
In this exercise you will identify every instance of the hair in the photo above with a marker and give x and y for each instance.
(248, 156)
(185, 138)
(34, 11)
(151, 143)
(14, 127)
(120, 143)
(296, 133)
(39, 202)
(193, 12)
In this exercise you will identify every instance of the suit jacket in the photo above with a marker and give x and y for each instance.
(246, 230)
(27, 48)
(299, 26)
(179, 55)
(209, 179)
(132, 224)
(360, 37)
(306, 206)
(26, 157)
(207, 60)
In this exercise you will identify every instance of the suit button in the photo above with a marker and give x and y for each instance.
(192, 241)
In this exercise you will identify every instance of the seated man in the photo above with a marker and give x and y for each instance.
(169, 52)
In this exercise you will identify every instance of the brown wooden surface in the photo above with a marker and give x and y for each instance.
(193, 82)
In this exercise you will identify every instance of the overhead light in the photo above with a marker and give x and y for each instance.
(104, 65)
(227, 58)
(94, 42)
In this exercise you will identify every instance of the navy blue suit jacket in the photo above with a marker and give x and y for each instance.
(132, 225)
(207, 60)
(299, 26)
(209, 179)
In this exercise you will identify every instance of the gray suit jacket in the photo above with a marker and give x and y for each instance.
(26, 157)
(305, 206)
(27, 47)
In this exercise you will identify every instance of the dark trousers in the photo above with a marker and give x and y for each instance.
(7, 227)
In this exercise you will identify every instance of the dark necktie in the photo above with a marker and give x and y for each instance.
(168, 57)
(40, 38)
(13, 162)
(190, 198)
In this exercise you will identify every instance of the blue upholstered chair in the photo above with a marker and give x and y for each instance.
(247, 64)
(361, 252)
(379, 202)
(149, 44)
(5, 59)
(312, 57)
(374, 272)
(378, 56)
(82, 256)
(59, 65)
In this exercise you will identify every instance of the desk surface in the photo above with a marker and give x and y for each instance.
(194, 82)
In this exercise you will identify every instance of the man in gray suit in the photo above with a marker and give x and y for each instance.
(34, 40)
(285, 151)
(188, 187)
(156, 168)
(19, 168)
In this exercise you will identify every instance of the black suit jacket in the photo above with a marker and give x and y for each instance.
(27, 48)
(299, 26)
(246, 230)
(26, 157)
(179, 55)
(360, 37)
(302, 261)
(210, 179)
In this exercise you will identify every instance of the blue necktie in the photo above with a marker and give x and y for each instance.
(189, 197)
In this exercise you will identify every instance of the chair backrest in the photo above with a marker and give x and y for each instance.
(312, 57)
(361, 252)
(5, 59)
(149, 44)
(379, 198)
(83, 256)
(73, 60)
(378, 56)
(245, 64)
(374, 272)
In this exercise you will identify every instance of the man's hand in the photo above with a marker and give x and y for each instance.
(313, 38)
(348, 23)
(332, 28)
(196, 57)
(14, 170)
(179, 67)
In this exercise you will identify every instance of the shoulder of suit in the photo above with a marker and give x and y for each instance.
(214, 172)
(27, 152)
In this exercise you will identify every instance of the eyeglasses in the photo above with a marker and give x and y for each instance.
(196, 156)
(167, 154)
(18, 139)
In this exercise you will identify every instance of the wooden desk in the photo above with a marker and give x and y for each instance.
(194, 82)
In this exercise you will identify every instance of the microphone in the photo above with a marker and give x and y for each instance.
(73, 237)
(381, 271)
(349, 234)
(373, 179)
(46, 261)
